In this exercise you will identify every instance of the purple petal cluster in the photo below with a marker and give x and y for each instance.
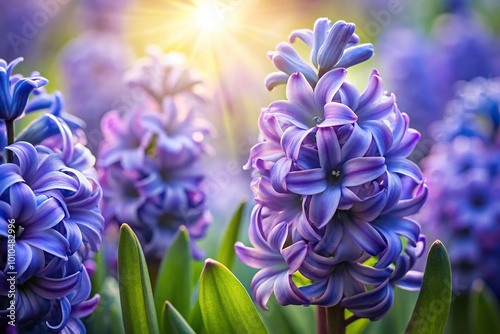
(150, 159)
(49, 205)
(463, 171)
(333, 189)
(333, 45)
(15, 90)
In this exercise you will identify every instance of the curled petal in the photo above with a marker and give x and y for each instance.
(287, 60)
(328, 86)
(294, 255)
(411, 281)
(355, 55)
(323, 206)
(366, 237)
(275, 79)
(337, 114)
(263, 285)
(279, 174)
(306, 35)
(368, 275)
(358, 171)
(287, 293)
(61, 312)
(306, 182)
(372, 304)
(334, 45)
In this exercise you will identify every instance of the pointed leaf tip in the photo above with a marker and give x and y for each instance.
(174, 282)
(173, 322)
(225, 305)
(226, 251)
(136, 296)
(433, 304)
(483, 309)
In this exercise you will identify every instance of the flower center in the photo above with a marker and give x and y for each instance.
(317, 119)
(334, 176)
(19, 231)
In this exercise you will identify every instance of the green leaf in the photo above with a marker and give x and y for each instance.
(356, 327)
(107, 318)
(225, 305)
(173, 322)
(226, 251)
(433, 303)
(173, 282)
(484, 312)
(100, 273)
(290, 319)
(136, 297)
(196, 319)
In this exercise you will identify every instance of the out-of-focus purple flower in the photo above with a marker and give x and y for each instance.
(165, 76)
(463, 170)
(49, 204)
(20, 33)
(413, 61)
(150, 159)
(15, 90)
(105, 15)
(334, 190)
(475, 112)
(465, 48)
(333, 45)
(460, 49)
(93, 66)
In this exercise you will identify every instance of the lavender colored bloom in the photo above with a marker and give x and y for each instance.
(475, 112)
(463, 170)
(49, 202)
(333, 190)
(466, 48)
(105, 15)
(161, 76)
(332, 46)
(459, 48)
(18, 33)
(150, 158)
(95, 59)
(15, 90)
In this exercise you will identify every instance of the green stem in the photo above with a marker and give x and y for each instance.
(9, 125)
(335, 322)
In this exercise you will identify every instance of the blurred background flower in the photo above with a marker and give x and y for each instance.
(463, 170)
(149, 159)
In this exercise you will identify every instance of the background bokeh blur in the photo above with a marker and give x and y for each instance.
(424, 50)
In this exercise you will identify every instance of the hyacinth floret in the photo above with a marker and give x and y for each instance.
(150, 159)
(15, 90)
(333, 186)
(49, 201)
(333, 45)
(463, 171)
